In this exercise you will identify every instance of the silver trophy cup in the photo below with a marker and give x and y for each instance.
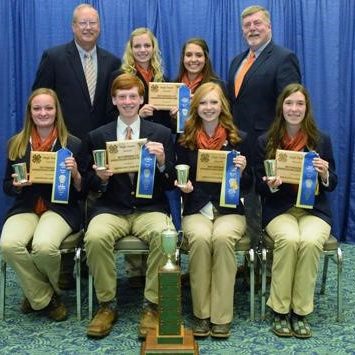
(169, 238)
(270, 169)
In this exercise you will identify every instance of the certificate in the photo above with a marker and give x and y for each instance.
(210, 165)
(164, 96)
(289, 165)
(123, 156)
(42, 166)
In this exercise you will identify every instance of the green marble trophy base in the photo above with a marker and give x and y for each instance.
(170, 337)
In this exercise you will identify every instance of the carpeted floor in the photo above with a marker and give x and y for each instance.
(34, 334)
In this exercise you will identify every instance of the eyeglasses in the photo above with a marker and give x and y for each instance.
(83, 24)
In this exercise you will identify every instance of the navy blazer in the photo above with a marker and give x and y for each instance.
(274, 204)
(119, 195)
(60, 69)
(205, 192)
(254, 108)
(26, 197)
(159, 116)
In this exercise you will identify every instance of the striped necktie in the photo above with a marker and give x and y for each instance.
(128, 132)
(90, 75)
(242, 72)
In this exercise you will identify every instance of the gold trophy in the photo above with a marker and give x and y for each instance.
(170, 336)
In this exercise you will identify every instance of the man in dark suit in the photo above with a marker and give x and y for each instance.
(256, 78)
(119, 212)
(64, 69)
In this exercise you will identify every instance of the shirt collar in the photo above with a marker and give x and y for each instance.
(121, 128)
(259, 50)
(82, 51)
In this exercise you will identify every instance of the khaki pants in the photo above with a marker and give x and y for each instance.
(104, 230)
(37, 271)
(212, 263)
(299, 239)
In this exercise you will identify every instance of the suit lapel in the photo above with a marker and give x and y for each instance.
(110, 133)
(145, 130)
(77, 67)
(101, 65)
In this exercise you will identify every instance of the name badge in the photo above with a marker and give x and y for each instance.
(230, 182)
(146, 173)
(184, 108)
(308, 182)
(62, 177)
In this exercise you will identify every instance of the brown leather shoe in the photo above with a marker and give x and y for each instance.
(102, 323)
(149, 320)
(56, 309)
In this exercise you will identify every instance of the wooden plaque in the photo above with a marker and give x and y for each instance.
(42, 166)
(123, 156)
(164, 96)
(289, 165)
(210, 165)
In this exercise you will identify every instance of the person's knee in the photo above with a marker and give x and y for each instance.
(42, 251)
(95, 239)
(199, 239)
(220, 239)
(289, 240)
(313, 243)
(10, 248)
(7, 249)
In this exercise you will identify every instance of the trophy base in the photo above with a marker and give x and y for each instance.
(151, 346)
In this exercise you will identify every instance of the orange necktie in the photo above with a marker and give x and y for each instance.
(243, 70)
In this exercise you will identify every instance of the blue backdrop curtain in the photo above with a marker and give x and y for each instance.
(321, 32)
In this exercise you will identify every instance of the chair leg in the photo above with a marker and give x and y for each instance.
(263, 282)
(77, 266)
(90, 295)
(252, 284)
(339, 288)
(2, 288)
(324, 275)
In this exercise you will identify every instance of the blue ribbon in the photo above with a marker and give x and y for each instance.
(230, 188)
(308, 182)
(146, 173)
(184, 107)
(62, 177)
